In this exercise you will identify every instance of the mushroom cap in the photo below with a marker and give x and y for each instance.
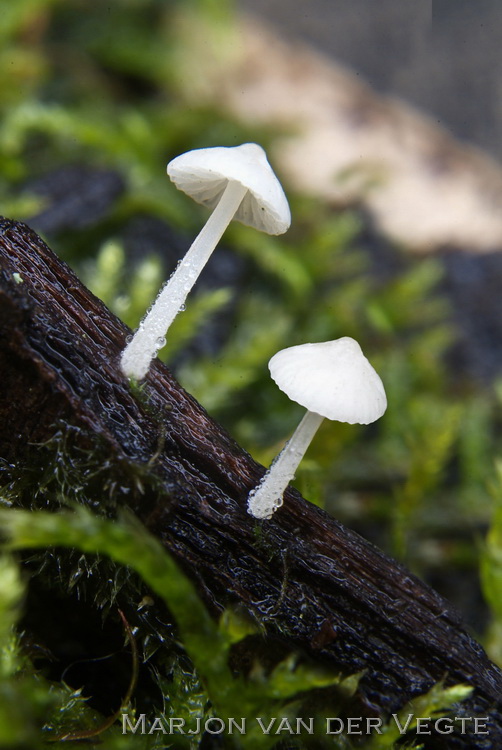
(332, 378)
(205, 172)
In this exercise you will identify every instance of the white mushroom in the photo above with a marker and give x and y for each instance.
(237, 183)
(332, 379)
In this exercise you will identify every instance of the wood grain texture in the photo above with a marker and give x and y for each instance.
(316, 585)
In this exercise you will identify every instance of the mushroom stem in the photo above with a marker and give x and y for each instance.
(268, 496)
(150, 336)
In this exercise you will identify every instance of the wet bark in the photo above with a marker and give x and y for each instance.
(317, 586)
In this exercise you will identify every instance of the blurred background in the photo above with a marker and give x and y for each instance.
(382, 121)
(443, 56)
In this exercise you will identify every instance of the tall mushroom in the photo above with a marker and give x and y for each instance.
(236, 182)
(332, 379)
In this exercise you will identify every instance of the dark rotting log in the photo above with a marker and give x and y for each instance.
(315, 584)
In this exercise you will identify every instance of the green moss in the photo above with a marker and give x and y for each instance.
(277, 696)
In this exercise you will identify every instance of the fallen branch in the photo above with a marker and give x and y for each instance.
(314, 584)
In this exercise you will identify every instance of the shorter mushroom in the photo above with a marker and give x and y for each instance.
(238, 183)
(332, 379)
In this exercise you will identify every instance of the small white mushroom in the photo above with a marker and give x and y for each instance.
(332, 379)
(238, 183)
